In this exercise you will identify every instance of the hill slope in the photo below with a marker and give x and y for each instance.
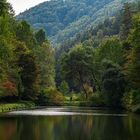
(63, 19)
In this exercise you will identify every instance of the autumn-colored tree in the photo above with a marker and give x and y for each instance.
(9, 88)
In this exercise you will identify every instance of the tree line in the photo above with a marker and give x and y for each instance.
(26, 59)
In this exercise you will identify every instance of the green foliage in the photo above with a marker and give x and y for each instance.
(6, 56)
(50, 96)
(29, 75)
(97, 100)
(128, 100)
(64, 88)
(92, 58)
(132, 67)
(25, 34)
(132, 98)
(46, 63)
(40, 36)
(62, 20)
(16, 106)
(111, 49)
(105, 67)
(27, 72)
(135, 33)
(136, 109)
(22, 67)
(77, 67)
(3, 7)
(126, 21)
(113, 85)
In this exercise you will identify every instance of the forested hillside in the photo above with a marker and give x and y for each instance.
(63, 19)
(104, 60)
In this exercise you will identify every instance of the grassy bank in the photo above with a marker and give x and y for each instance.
(7, 107)
(82, 103)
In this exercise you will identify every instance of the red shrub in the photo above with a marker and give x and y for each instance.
(9, 87)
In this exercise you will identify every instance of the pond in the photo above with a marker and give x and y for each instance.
(69, 123)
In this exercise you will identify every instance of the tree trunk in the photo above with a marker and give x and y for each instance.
(94, 77)
(82, 84)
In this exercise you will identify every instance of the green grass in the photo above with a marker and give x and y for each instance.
(7, 107)
(80, 103)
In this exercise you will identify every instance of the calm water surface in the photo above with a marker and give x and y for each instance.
(69, 123)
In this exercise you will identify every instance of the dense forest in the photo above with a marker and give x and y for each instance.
(26, 58)
(63, 19)
(103, 62)
(100, 66)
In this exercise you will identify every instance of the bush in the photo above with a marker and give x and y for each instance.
(50, 96)
(113, 83)
(136, 109)
(16, 106)
(97, 100)
(64, 88)
(42, 99)
(127, 100)
(77, 96)
(8, 88)
(131, 99)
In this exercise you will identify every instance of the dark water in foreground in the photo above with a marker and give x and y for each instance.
(69, 124)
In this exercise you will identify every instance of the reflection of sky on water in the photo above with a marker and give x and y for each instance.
(62, 111)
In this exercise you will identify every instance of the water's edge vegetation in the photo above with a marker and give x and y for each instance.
(29, 105)
(16, 106)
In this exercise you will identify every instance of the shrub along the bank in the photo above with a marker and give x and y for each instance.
(136, 109)
(131, 101)
(50, 96)
(7, 107)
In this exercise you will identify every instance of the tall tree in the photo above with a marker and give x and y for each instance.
(29, 75)
(40, 36)
(24, 33)
(3, 7)
(132, 67)
(113, 85)
(78, 67)
(45, 59)
(126, 21)
(27, 79)
(111, 49)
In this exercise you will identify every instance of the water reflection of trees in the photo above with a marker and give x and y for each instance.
(70, 128)
(7, 128)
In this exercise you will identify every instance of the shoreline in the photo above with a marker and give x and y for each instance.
(8, 107)
(23, 105)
